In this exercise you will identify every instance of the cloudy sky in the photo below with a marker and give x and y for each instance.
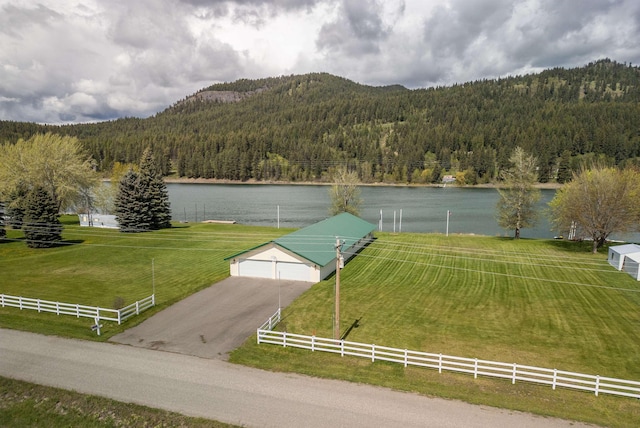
(67, 61)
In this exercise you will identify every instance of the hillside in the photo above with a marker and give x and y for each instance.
(296, 128)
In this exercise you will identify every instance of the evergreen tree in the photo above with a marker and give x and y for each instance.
(42, 228)
(156, 191)
(518, 195)
(132, 204)
(3, 232)
(564, 167)
(14, 207)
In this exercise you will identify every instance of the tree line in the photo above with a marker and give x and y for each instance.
(302, 128)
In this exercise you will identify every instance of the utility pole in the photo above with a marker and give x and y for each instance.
(336, 317)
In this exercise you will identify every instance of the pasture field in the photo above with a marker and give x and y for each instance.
(537, 302)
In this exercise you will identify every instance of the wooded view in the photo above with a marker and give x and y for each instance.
(300, 128)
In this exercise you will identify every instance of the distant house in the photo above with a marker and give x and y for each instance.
(625, 257)
(448, 179)
(99, 220)
(308, 254)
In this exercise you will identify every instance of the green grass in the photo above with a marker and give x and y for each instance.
(542, 303)
(24, 404)
(537, 302)
(95, 267)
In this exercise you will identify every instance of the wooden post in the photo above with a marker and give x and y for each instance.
(336, 326)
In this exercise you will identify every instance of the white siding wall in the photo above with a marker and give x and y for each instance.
(271, 262)
(632, 265)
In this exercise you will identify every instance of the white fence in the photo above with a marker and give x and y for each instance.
(514, 372)
(97, 313)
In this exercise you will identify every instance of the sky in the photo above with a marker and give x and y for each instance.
(68, 61)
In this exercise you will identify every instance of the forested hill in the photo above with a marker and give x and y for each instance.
(297, 128)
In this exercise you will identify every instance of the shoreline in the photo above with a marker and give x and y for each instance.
(185, 180)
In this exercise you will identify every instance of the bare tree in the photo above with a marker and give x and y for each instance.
(345, 193)
(518, 196)
(598, 202)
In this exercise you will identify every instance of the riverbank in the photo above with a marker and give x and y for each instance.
(186, 180)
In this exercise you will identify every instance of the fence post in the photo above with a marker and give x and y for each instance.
(513, 378)
(313, 343)
(77, 310)
(405, 358)
(555, 378)
(57, 308)
(440, 364)
(119, 316)
(475, 369)
(284, 339)
(20, 302)
(597, 384)
(137, 307)
(38, 305)
(2, 299)
(342, 348)
(373, 352)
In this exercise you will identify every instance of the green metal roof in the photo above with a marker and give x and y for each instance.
(316, 243)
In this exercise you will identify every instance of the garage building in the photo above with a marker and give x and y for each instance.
(308, 254)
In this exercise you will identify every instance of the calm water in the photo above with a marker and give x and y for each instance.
(424, 209)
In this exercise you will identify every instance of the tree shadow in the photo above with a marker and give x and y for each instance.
(576, 246)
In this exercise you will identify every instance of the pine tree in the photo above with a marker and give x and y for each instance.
(3, 232)
(132, 205)
(14, 207)
(564, 167)
(156, 191)
(42, 228)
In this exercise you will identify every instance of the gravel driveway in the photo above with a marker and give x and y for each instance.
(216, 320)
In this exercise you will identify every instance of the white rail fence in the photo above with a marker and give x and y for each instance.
(440, 362)
(97, 313)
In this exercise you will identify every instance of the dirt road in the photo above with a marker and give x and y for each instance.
(218, 390)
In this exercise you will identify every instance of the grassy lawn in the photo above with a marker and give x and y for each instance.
(537, 302)
(543, 303)
(96, 267)
(24, 404)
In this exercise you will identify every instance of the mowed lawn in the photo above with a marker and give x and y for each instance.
(543, 303)
(536, 302)
(98, 267)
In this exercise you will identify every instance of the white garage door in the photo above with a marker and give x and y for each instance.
(294, 271)
(256, 268)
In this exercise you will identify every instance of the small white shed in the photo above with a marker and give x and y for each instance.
(618, 253)
(632, 265)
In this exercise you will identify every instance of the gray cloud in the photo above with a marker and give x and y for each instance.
(65, 62)
(358, 30)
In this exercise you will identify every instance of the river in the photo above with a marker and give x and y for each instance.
(416, 209)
